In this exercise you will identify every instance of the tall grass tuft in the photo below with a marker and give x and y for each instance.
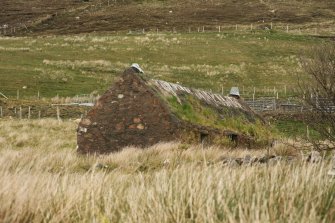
(47, 181)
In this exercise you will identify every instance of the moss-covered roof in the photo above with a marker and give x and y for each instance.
(210, 109)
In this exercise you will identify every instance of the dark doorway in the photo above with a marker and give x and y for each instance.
(203, 138)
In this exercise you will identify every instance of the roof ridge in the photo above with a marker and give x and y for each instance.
(209, 97)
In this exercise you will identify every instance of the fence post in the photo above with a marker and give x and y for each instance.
(58, 115)
(20, 114)
(18, 94)
(253, 101)
(29, 112)
(1, 112)
(219, 29)
(285, 90)
(203, 29)
(39, 114)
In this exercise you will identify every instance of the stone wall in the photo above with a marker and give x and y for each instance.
(132, 113)
(129, 113)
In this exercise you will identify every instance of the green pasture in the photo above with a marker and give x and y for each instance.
(82, 64)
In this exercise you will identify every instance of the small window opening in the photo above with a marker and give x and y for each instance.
(203, 138)
(233, 138)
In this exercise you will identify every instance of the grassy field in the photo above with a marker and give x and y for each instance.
(42, 179)
(71, 65)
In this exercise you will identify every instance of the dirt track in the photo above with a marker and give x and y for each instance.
(75, 16)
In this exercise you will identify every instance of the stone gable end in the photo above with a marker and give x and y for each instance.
(129, 113)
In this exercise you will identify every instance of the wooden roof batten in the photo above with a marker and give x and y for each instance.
(210, 98)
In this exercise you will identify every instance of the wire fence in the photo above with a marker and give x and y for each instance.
(290, 105)
(314, 29)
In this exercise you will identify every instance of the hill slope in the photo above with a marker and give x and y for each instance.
(75, 16)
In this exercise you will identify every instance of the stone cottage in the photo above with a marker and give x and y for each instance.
(140, 112)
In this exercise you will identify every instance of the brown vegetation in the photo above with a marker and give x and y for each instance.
(42, 179)
(74, 16)
(319, 92)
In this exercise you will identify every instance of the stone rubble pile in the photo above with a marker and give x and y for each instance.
(248, 160)
(313, 157)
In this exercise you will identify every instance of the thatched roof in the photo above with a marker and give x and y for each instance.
(208, 97)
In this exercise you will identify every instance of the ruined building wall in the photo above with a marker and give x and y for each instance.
(129, 113)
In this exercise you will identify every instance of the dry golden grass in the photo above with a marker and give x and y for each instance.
(42, 179)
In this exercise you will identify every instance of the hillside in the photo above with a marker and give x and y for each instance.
(75, 16)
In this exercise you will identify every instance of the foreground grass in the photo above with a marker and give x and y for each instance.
(42, 179)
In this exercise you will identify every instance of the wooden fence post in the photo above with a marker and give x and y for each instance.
(39, 114)
(58, 114)
(29, 112)
(253, 101)
(1, 112)
(20, 114)
(285, 90)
